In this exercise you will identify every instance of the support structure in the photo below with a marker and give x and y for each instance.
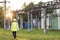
(28, 21)
(4, 15)
(50, 18)
(31, 21)
(45, 27)
(39, 20)
(21, 22)
(36, 20)
(9, 24)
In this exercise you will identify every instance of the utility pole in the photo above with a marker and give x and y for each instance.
(31, 21)
(5, 12)
(28, 21)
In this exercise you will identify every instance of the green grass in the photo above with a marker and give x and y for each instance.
(35, 34)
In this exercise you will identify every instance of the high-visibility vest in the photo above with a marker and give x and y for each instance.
(14, 26)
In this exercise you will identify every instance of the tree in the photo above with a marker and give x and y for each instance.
(1, 16)
(24, 5)
(24, 15)
(40, 3)
(29, 6)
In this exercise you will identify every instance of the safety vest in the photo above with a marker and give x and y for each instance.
(14, 26)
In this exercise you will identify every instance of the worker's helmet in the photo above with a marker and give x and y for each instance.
(14, 19)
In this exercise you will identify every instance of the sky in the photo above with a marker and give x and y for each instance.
(17, 4)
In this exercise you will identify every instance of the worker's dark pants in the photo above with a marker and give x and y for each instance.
(14, 34)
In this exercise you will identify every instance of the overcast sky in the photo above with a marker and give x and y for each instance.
(17, 4)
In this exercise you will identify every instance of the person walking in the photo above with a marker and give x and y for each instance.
(14, 28)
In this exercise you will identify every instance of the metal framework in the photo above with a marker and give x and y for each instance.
(45, 6)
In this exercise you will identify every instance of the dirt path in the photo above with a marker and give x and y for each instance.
(22, 39)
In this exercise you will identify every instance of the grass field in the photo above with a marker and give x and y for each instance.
(33, 35)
